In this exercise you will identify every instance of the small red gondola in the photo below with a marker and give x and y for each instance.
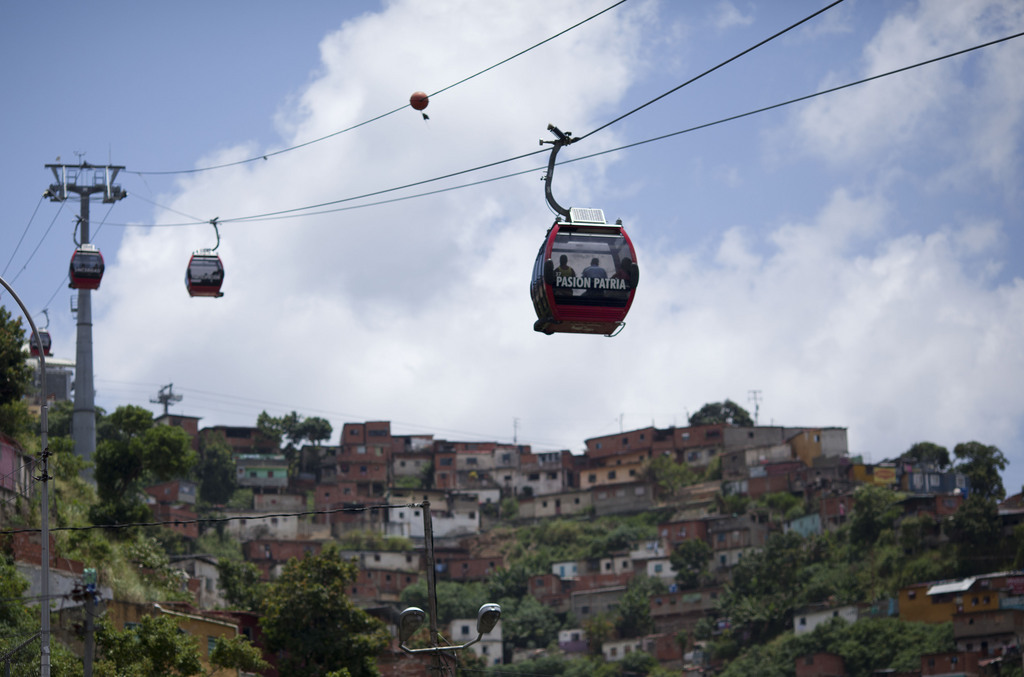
(44, 338)
(86, 268)
(205, 274)
(584, 277)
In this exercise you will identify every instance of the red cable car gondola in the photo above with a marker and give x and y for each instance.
(44, 338)
(205, 274)
(86, 268)
(584, 277)
(586, 273)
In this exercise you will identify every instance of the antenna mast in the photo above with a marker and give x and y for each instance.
(166, 397)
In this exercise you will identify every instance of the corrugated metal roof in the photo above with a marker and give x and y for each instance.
(955, 586)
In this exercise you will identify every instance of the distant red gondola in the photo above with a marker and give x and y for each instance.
(586, 273)
(205, 274)
(86, 270)
(44, 338)
(584, 277)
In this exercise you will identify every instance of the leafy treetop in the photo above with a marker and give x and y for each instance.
(722, 412)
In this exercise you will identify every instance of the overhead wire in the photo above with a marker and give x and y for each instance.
(305, 211)
(23, 234)
(265, 156)
(216, 520)
(712, 70)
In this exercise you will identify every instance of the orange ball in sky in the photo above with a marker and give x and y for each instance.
(418, 100)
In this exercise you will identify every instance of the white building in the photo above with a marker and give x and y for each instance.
(489, 647)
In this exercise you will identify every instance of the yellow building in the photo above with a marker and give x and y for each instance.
(937, 602)
(206, 630)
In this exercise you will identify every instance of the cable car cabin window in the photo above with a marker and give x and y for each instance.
(594, 270)
(206, 271)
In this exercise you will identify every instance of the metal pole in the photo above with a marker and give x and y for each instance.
(428, 542)
(83, 421)
(44, 621)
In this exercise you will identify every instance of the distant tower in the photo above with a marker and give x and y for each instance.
(166, 397)
(84, 180)
(755, 397)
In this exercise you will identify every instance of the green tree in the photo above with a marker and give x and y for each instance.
(15, 381)
(981, 464)
(15, 374)
(690, 560)
(132, 453)
(639, 663)
(633, 613)
(154, 648)
(669, 475)
(977, 532)
(216, 469)
(236, 653)
(241, 584)
(454, 600)
(874, 511)
(598, 629)
(291, 430)
(528, 624)
(927, 452)
(309, 618)
(722, 412)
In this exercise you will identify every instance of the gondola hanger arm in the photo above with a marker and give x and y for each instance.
(562, 139)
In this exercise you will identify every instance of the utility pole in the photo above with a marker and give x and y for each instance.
(166, 397)
(84, 180)
(755, 397)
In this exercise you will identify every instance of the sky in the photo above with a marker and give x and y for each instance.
(851, 260)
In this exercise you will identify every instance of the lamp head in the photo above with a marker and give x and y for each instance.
(487, 618)
(409, 622)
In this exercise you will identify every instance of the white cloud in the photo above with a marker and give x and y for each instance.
(727, 15)
(418, 311)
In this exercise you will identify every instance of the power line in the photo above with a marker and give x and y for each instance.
(216, 520)
(295, 212)
(712, 70)
(266, 156)
(23, 234)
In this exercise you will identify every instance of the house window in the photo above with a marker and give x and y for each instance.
(470, 461)
(611, 474)
(465, 630)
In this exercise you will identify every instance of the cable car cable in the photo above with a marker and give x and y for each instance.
(266, 156)
(713, 69)
(731, 59)
(292, 213)
(23, 234)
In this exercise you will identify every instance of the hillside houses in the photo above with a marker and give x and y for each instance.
(387, 485)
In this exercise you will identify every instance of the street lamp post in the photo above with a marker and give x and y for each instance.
(412, 618)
